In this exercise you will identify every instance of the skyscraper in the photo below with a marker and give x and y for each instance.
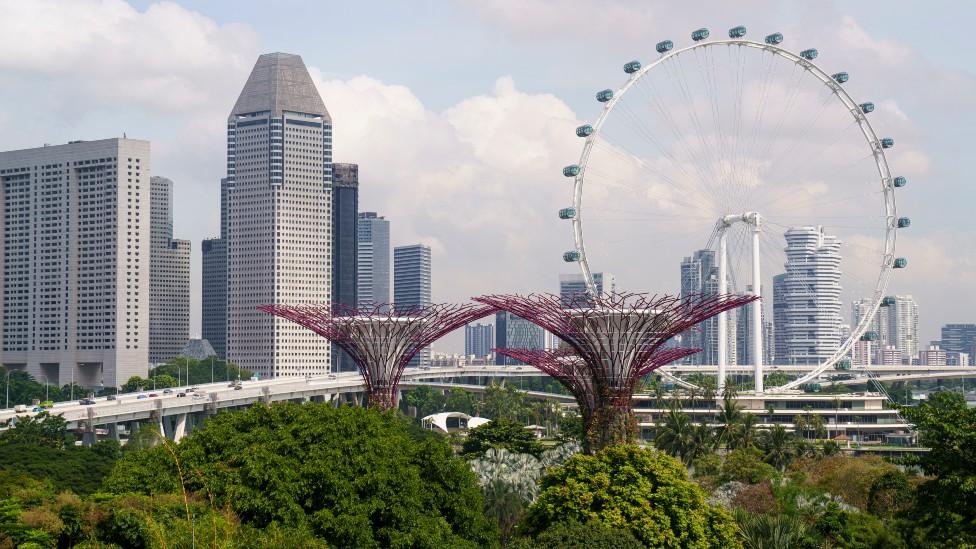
(959, 338)
(744, 335)
(902, 327)
(279, 217)
(809, 296)
(699, 276)
(572, 286)
(779, 318)
(214, 280)
(373, 260)
(412, 285)
(478, 339)
(169, 278)
(75, 262)
(515, 332)
(345, 203)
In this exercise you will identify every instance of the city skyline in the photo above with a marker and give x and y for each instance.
(501, 87)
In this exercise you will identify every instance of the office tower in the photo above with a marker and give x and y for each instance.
(279, 217)
(699, 276)
(959, 338)
(345, 203)
(169, 278)
(807, 299)
(479, 339)
(572, 286)
(411, 285)
(514, 332)
(769, 343)
(878, 325)
(76, 255)
(213, 301)
(902, 327)
(373, 260)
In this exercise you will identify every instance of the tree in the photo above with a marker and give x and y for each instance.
(770, 531)
(625, 486)
(504, 401)
(746, 465)
(190, 371)
(890, 495)
(501, 433)
(573, 535)
(778, 445)
(945, 506)
(425, 399)
(675, 435)
(744, 435)
(729, 417)
(42, 429)
(354, 477)
(776, 379)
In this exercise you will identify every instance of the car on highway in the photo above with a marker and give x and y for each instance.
(111, 397)
(198, 395)
(140, 397)
(191, 390)
(86, 401)
(153, 395)
(180, 394)
(167, 391)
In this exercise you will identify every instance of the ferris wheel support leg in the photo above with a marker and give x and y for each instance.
(757, 331)
(723, 316)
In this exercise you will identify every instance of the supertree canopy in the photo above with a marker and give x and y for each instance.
(618, 337)
(381, 340)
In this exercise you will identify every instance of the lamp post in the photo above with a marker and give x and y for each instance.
(211, 369)
(7, 405)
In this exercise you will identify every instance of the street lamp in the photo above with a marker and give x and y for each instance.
(211, 369)
(7, 405)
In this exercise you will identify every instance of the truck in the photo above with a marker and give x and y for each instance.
(20, 408)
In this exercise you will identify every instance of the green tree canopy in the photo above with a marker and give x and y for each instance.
(624, 486)
(945, 508)
(501, 433)
(355, 477)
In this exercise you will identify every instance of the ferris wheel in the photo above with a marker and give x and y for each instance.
(737, 165)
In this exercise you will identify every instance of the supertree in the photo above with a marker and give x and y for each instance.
(381, 340)
(617, 337)
(569, 369)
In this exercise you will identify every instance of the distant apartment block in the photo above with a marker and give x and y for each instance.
(479, 339)
(76, 261)
(345, 206)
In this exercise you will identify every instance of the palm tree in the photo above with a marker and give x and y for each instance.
(730, 390)
(779, 531)
(675, 435)
(702, 442)
(745, 434)
(778, 445)
(729, 417)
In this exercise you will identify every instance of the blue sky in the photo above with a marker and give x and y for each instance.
(461, 107)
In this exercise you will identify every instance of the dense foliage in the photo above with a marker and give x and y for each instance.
(353, 477)
(625, 486)
(19, 387)
(186, 371)
(501, 433)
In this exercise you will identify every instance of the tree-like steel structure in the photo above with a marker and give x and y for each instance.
(618, 338)
(381, 340)
(569, 369)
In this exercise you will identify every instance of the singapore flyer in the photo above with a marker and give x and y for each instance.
(729, 162)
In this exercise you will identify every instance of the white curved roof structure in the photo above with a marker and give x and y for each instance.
(439, 421)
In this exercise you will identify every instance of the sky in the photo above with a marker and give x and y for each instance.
(461, 113)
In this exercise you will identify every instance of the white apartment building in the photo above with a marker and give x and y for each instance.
(75, 262)
(811, 296)
(279, 158)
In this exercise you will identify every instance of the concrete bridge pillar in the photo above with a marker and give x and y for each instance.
(179, 429)
(113, 431)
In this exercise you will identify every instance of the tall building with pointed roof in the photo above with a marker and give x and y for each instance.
(279, 217)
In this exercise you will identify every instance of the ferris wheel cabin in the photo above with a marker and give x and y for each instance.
(604, 95)
(841, 77)
(567, 213)
(699, 35)
(867, 107)
(737, 32)
(572, 256)
(900, 182)
(664, 46)
(632, 67)
(809, 54)
(774, 39)
(571, 171)
(887, 142)
(584, 130)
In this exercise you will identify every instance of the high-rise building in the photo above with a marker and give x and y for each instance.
(345, 203)
(572, 286)
(902, 326)
(744, 335)
(279, 217)
(779, 318)
(75, 262)
(809, 296)
(373, 260)
(169, 278)
(515, 332)
(699, 276)
(933, 356)
(479, 339)
(959, 338)
(860, 308)
(412, 285)
(213, 302)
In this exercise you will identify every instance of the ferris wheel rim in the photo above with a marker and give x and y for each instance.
(871, 137)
